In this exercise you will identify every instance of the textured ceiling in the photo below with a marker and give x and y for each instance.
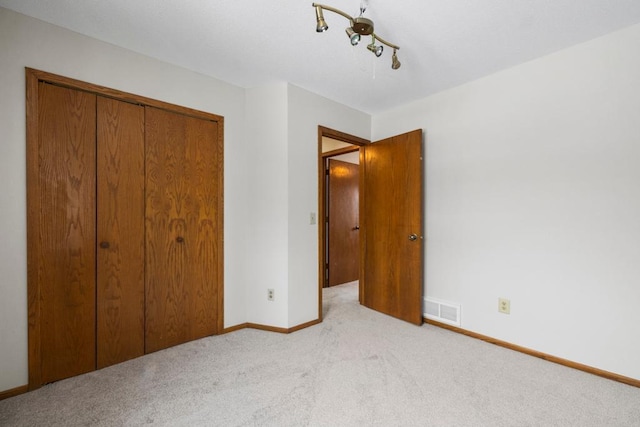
(443, 43)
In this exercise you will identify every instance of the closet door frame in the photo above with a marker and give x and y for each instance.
(33, 78)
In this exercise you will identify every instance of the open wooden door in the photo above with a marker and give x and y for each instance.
(391, 233)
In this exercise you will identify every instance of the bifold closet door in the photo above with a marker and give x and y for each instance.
(66, 267)
(181, 228)
(91, 231)
(124, 226)
(120, 225)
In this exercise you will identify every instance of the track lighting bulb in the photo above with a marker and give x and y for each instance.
(322, 24)
(353, 36)
(377, 50)
(395, 64)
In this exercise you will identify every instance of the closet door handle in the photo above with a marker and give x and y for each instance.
(105, 245)
(180, 239)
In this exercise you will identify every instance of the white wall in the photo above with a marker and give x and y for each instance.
(28, 42)
(266, 257)
(533, 194)
(282, 253)
(306, 112)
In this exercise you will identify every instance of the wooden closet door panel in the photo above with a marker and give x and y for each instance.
(181, 228)
(66, 265)
(164, 282)
(120, 225)
(202, 220)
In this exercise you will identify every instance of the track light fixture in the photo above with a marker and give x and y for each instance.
(358, 26)
(377, 50)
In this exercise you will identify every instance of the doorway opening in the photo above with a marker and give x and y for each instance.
(339, 211)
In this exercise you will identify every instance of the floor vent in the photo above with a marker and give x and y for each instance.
(442, 311)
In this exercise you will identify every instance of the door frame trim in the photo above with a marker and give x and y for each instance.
(322, 208)
(33, 78)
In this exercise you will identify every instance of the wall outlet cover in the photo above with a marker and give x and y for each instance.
(504, 305)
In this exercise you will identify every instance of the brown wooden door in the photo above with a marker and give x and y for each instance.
(343, 207)
(87, 231)
(120, 228)
(66, 266)
(91, 188)
(181, 228)
(391, 232)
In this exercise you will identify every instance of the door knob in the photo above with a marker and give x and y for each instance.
(413, 237)
(356, 228)
(105, 245)
(179, 239)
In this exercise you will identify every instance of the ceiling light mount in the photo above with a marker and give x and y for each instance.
(358, 26)
(362, 26)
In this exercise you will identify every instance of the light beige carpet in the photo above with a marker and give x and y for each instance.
(357, 368)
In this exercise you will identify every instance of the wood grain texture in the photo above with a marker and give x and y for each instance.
(340, 136)
(120, 226)
(13, 392)
(271, 328)
(117, 94)
(344, 241)
(182, 235)
(33, 226)
(37, 215)
(391, 271)
(66, 263)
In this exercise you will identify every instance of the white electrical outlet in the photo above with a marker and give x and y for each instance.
(312, 218)
(270, 295)
(504, 306)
